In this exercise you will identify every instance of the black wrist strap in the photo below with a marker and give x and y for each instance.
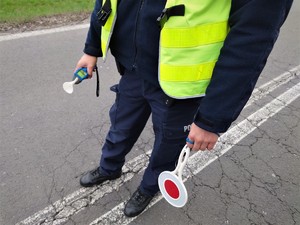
(98, 82)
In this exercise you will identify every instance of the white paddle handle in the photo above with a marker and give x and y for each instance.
(182, 161)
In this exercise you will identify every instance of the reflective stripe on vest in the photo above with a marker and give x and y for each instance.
(190, 46)
(108, 27)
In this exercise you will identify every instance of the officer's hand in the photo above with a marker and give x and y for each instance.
(202, 139)
(87, 61)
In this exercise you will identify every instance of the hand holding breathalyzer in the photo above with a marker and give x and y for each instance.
(79, 75)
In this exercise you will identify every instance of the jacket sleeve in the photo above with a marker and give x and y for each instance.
(254, 28)
(92, 43)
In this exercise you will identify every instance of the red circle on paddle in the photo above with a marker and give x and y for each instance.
(171, 189)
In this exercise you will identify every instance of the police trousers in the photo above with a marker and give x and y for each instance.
(137, 99)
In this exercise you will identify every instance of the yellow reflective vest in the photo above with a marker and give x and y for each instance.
(192, 34)
(190, 46)
(107, 16)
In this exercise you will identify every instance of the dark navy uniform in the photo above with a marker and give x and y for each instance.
(254, 28)
(136, 99)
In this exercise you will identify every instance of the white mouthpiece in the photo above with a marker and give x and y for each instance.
(68, 86)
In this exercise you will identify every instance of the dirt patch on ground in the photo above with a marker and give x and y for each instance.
(44, 23)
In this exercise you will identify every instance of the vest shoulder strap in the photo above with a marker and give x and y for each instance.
(104, 12)
(177, 10)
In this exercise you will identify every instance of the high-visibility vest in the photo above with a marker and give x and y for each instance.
(190, 45)
(192, 34)
(107, 17)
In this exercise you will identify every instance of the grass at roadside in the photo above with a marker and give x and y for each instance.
(19, 11)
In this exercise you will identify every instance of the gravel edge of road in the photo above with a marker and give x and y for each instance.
(46, 22)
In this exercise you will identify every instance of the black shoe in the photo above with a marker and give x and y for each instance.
(137, 203)
(94, 177)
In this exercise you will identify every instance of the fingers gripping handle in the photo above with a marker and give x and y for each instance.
(182, 161)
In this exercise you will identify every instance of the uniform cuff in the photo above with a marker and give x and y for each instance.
(90, 50)
(215, 126)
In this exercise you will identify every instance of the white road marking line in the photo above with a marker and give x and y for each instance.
(270, 86)
(42, 32)
(200, 160)
(59, 211)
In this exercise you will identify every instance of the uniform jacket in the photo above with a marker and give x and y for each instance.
(254, 28)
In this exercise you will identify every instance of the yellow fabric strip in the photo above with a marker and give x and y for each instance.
(175, 73)
(190, 56)
(108, 28)
(104, 47)
(110, 21)
(104, 41)
(193, 36)
(185, 90)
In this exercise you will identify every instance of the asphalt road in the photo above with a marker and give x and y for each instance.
(49, 139)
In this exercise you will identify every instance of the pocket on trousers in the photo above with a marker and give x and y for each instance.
(174, 133)
(115, 88)
(114, 108)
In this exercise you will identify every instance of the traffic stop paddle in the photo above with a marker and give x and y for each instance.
(170, 182)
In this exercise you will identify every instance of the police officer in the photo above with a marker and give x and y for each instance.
(198, 77)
